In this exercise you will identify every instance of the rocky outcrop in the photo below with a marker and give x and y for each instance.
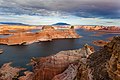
(69, 74)
(47, 34)
(99, 42)
(62, 66)
(113, 65)
(9, 73)
(105, 62)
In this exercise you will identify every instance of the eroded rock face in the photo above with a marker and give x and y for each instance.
(69, 74)
(113, 65)
(105, 62)
(9, 73)
(63, 63)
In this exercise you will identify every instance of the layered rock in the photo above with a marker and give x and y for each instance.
(69, 74)
(62, 66)
(47, 34)
(9, 73)
(105, 62)
(113, 65)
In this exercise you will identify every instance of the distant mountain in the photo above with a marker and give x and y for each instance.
(61, 23)
(12, 23)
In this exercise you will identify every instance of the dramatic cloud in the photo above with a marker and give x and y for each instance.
(103, 9)
(81, 8)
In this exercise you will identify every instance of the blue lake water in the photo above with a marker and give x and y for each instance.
(21, 55)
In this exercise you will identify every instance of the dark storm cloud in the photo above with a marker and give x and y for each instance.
(80, 8)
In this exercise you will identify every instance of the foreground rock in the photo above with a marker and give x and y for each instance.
(63, 65)
(9, 73)
(113, 66)
(48, 33)
(81, 64)
(105, 62)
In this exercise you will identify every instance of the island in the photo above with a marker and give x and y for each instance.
(100, 42)
(22, 35)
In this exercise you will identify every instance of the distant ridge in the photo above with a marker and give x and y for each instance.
(13, 23)
(61, 23)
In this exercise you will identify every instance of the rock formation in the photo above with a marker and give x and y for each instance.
(113, 65)
(101, 28)
(99, 42)
(48, 33)
(61, 65)
(69, 74)
(105, 62)
(9, 73)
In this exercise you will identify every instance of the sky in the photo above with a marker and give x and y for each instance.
(74, 12)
